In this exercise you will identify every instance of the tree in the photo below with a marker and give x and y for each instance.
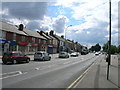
(92, 48)
(105, 47)
(114, 49)
(118, 49)
(95, 48)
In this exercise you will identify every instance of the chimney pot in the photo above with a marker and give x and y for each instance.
(21, 26)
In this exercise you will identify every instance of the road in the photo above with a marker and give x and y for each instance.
(57, 73)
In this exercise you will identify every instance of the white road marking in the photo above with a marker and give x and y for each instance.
(16, 73)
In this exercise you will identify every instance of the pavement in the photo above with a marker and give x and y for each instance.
(96, 75)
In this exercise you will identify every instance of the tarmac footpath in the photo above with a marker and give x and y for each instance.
(96, 75)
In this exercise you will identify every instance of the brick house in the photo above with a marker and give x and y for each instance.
(51, 42)
(18, 38)
(10, 36)
(35, 41)
(60, 41)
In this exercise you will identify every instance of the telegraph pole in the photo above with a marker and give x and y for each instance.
(109, 52)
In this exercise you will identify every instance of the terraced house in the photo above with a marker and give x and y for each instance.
(18, 38)
(51, 42)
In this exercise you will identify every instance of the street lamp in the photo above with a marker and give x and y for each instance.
(65, 35)
(109, 53)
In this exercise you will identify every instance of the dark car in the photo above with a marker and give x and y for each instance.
(40, 55)
(15, 57)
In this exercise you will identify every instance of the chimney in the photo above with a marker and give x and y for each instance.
(41, 32)
(62, 36)
(47, 33)
(21, 26)
(51, 32)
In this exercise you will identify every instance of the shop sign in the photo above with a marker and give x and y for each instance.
(34, 44)
(12, 43)
(22, 43)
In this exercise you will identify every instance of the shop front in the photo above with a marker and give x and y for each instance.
(54, 49)
(44, 48)
(8, 45)
(28, 48)
(50, 49)
(22, 46)
(33, 47)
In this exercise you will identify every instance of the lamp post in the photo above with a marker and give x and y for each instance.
(109, 52)
(65, 35)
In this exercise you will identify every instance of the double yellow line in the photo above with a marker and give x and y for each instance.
(79, 78)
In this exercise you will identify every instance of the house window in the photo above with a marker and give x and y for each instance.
(4, 35)
(44, 42)
(14, 36)
(39, 40)
(33, 40)
(23, 38)
(50, 41)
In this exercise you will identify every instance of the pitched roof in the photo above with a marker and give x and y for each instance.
(49, 36)
(10, 28)
(44, 34)
(52, 37)
(33, 33)
(59, 38)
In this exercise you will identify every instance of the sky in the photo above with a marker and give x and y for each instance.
(84, 21)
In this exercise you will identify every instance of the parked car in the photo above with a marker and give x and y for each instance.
(63, 55)
(74, 54)
(40, 55)
(15, 57)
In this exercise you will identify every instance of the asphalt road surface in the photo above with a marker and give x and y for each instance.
(57, 73)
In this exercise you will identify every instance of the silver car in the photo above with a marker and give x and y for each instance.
(41, 56)
(74, 54)
(63, 55)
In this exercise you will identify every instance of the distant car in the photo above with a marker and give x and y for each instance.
(15, 57)
(63, 55)
(40, 55)
(74, 54)
(97, 53)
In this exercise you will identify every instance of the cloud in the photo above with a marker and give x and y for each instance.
(33, 25)
(95, 14)
(93, 17)
(59, 24)
(44, 25)
(25, 10)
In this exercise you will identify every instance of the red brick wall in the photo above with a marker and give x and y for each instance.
(36, 40)
(9, 36)
(18, 38)
(30, 39)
